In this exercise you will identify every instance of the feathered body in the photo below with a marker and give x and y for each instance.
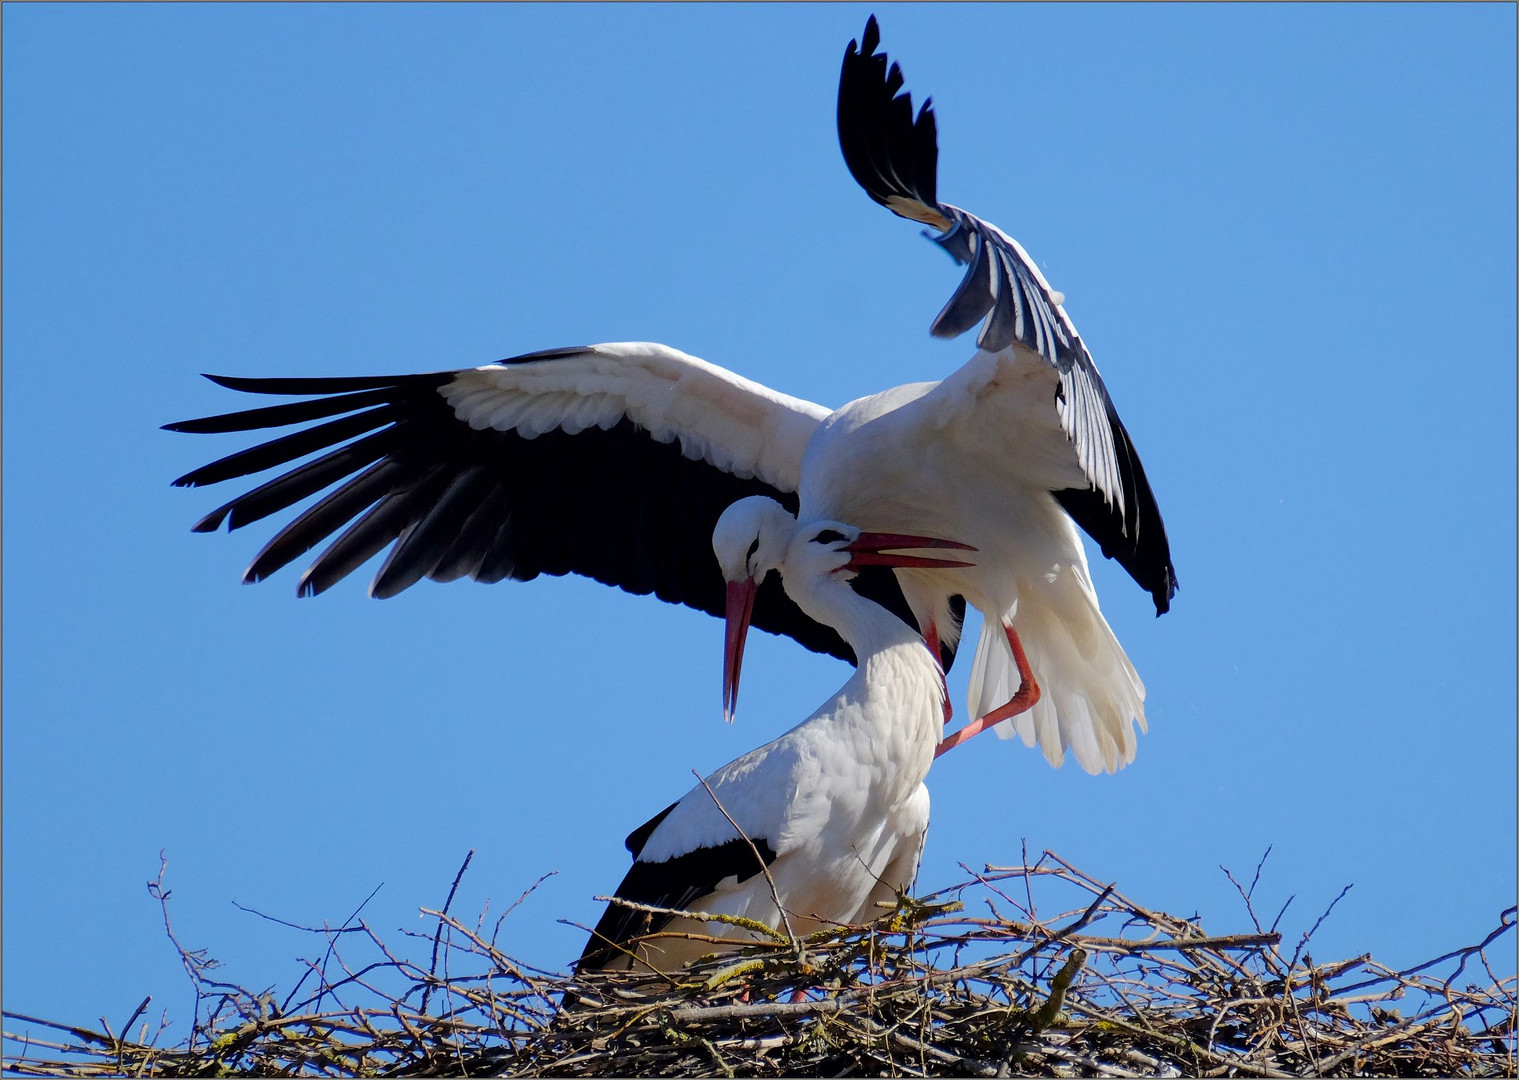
(976, 457)
(836, 808)
(615, 461)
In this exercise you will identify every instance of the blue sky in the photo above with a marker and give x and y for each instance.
(1287, 234)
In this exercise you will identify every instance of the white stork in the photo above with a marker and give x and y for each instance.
(615, 461)
(830, 817)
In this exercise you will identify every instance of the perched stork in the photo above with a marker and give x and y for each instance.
(830, 817)
(615, 461)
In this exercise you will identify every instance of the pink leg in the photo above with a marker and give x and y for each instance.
(1027, 695)
(931, 639)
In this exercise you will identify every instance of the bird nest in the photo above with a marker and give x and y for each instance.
(1034, 970)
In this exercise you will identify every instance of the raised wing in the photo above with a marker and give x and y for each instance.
(612, 461)
(894, 157)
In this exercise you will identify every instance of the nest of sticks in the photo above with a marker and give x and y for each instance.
(1034, 970)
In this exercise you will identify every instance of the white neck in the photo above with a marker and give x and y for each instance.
(865, 625)
(899, 684)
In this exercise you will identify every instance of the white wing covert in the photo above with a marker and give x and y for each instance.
(732, 423)
(613, 461)
(894, 157)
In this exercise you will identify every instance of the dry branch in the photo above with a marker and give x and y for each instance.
(1105, 987)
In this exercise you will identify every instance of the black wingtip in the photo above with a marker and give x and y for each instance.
(867, 42)
(190, 425)
(212, 521)
(191, 479)
(871, 38)
(1164, 592)
(232, 382)
(890, 153)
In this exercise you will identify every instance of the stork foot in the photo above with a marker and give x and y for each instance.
(1025, 699)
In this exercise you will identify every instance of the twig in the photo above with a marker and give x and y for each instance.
(1301, 945)
(957, 994)
(801, 956)
(432, 968)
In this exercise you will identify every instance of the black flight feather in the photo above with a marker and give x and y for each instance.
(450, 501)
(894, 157)
(674, 883)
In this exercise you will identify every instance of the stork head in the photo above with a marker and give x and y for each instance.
(750, 540)
(757, 535)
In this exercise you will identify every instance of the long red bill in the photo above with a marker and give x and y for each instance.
(739, 611)
(875, 549)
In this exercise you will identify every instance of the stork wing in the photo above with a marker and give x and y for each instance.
(612, 461)
(894, 157)
(672, 883)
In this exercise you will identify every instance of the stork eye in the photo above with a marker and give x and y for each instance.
(829, 536)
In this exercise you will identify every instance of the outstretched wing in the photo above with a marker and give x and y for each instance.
(612, 461)
(894, 157)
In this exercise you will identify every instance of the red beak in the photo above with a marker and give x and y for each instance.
(740, 611)
(870, 549)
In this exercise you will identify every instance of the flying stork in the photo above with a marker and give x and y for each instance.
(829, 818)
(615, 461)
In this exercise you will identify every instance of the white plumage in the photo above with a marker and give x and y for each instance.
(724, 419)
(836, 808)
(615, 461)
(971, 459)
